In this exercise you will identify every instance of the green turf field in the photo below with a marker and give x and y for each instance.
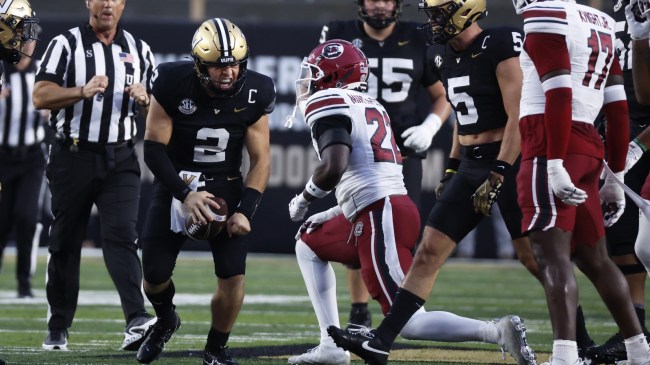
(277, 320)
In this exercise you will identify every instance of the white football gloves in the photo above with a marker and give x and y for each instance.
(639, 25)
(613, 196)
(561, 184)
(419, 137)
(317, 220)
(298, 208)
(634, 153)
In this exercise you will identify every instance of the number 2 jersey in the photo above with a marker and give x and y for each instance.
(589, 36)
(208, 133)
(470, 78)
(375, 165)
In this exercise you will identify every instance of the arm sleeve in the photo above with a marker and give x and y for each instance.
(618, 127)
(155, 156)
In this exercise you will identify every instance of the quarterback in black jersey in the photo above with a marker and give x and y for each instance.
(625, 234)
(202, 115)
(399, 72)
(472, 64)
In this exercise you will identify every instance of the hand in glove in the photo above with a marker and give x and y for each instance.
(298, 207)
(613, 197)
(634, 152)
(562, 185)
(419, 137)
(452, 167)
(636, 13)
(317, 220)
(486, 194)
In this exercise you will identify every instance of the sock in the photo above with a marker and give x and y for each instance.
(404, 306)
(582, 336)
(360, 307)
(216, 340)
(565, 352)
(163, 302)
(637, 347)
(640, 313)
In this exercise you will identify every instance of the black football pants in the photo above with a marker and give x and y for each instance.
(109, 178)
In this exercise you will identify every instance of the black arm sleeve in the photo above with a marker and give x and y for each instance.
(331, 130)
(155, 156)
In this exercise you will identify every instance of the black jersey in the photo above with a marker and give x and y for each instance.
(470, 78)
(638, 113)
(208, 133)
(398, 68)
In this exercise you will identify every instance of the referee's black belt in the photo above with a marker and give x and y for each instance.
(94, 146)
(17, 151)
(479, 151)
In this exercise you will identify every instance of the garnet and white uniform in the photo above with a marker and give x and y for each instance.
(381, 223)
(589, 38)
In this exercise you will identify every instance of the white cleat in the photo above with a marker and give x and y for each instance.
(512, 338)
(322, 355)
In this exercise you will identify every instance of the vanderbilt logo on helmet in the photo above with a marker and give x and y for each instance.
(333, 50)
(5, 6)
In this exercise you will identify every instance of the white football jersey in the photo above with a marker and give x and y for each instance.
(375, 166)
(590, 37)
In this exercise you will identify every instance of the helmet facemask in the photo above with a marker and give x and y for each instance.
(447, 19)
(379, 23)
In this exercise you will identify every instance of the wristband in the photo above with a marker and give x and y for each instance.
(314, 190)
(452, 165)
(81, 92)
(501, 167)
(641, 145)
(250, 199)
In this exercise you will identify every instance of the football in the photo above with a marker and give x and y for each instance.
(202, 232)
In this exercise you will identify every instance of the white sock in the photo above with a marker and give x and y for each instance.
(321, 286)
(565, 352)
(446, 327)
(637, 348)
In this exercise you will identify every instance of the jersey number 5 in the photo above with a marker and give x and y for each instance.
(382, 140)
(211, 145)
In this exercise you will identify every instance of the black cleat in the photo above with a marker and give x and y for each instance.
(610, 352)
(134, 331)
(156, 336)
(363, 342)
(359, 317)
(220, 357)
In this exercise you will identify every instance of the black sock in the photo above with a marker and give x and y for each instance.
(582, 336)
(640, 313)
(163, 302)
(216, 340)
(360, 307)
(404, 306)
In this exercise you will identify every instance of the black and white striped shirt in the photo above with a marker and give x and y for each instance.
(20, 124)
(73, 58)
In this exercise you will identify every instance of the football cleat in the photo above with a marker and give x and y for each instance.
(220, 357)
(156, 336)
(363, 342)
(56, 339)
(134, 332)
(610, 352)
(322, 355)
(512, 338)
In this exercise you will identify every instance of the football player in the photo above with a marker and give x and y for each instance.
(203, 113)
(399, 73)
(570, 73)
(481, 73)
(374, 225)
(623, 234)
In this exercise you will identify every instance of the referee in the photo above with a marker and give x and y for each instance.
(22, 166)
(94, 78)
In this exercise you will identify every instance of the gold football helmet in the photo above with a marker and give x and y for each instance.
(219, 42)
(17, 27)
(447, 18)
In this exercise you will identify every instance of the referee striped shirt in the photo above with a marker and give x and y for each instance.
(73, 58)
(20, 124)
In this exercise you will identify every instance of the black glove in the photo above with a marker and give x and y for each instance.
(450, 171)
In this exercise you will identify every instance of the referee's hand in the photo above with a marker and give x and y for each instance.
(139, 93)
(96, 85)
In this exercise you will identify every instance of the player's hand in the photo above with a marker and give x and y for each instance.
(634, 153)
(486, 194)
(138, 93)
(419, 138)
(636, 13)
(562, 185)
(196, 204)
(445, 179)
(298, 207)
(317, 220)
(96, 85)
(238, 225)
(613, 198)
